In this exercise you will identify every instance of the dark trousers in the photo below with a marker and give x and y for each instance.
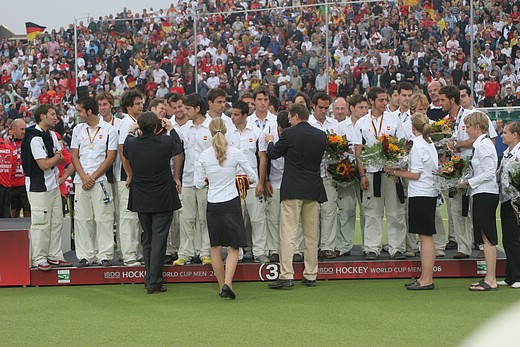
(511, 241)
(156, 227)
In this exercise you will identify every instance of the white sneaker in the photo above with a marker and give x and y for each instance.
(515, 285)
(132, 263)
(503, 283)
(440, 253)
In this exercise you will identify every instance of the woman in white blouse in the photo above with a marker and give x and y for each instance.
(422, 197)
(483, 189)
(217, 167)
(510, 227)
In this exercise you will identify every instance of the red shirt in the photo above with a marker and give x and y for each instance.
(491, 89)
(7, 164)
(17, 175)
(44, 99)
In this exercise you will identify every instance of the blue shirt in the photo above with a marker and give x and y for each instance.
(499, 145)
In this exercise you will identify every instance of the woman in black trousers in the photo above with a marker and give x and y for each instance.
(510, 225)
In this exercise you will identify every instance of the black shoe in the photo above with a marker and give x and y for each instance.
(274, 258)
(399, 255)
(339, 254)
(460, 255)
(168, 259)
(159, 290)
(281, 284)
(371, 256)
(106, 263)
(83, 263)
(451, 245)
(297, 258)
(226, 292)
(417, 286)
(308, 283)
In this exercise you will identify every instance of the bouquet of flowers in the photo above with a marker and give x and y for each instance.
(373, 155)
(394, 151)
(344, 173)
(335, 148)
(442, 129)
(450, 174)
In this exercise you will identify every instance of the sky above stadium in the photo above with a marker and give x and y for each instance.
(55, 14)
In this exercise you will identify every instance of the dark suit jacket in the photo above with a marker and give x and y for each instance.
(303, 147)
(152, 188)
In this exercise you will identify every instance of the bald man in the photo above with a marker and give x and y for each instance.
(435, 111)
(339, 109)
(19, 200)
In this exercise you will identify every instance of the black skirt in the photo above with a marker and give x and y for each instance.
(421, 215)
(484, 210)
(226, 224)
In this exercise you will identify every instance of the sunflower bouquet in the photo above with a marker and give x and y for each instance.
(344, 172)
(394, 151)
(442, 129)
(450, 174)
(335, 149)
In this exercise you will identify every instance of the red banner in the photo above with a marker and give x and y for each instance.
(263, 272)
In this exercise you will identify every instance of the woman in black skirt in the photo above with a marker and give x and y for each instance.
(510, 225)
(217, 166)
(483, 190)
(422, 197)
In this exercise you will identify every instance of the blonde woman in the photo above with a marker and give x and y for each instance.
(217, 167)
(483, 189)
(422, 197)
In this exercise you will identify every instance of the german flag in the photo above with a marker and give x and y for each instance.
(130, 81)
(33, 30)
(166, 26)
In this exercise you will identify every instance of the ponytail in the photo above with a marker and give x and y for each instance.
(218, 131)
(421, 123)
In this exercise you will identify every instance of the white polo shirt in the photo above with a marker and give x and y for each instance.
(266, 125)
(347, 128)
(330, 125)
(227, 121)
(92, 145)
(117, 167)
(249, 141)
(39, 151)
(462, 135)
(276, 172)
(196, 139)
(368, 128)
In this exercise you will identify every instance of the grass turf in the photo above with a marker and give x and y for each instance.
(349, 313)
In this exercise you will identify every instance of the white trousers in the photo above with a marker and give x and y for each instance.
(375, 208)
(272, 210)
(328, 217)
(256, 210)
(173, 236)
(93, 223)
(129, 228)
(194, 203)
(348, 198)
(46, 226)
(462, 226)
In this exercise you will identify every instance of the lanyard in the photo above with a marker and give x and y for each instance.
(459, 116)
(91, 139)
(260, 124)
(18, 150)
(377, 132)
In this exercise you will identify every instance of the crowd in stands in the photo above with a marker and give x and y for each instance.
(370, 44)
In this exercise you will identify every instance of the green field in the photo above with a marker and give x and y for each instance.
(341, 313)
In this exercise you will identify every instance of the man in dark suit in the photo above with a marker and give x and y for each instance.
(152, 191)
(301, 190)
